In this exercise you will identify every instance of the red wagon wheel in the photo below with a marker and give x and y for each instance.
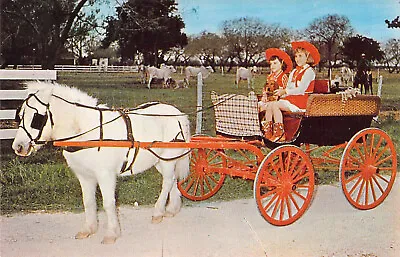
(205, 178)
(284, 185)
(368, 168)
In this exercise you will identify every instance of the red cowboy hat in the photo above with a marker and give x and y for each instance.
(310, 48)
(281, 54)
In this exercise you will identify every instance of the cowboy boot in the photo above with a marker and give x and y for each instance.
(267, 127)
(279, 133)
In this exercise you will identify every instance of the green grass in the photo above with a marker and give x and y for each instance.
(44, 182)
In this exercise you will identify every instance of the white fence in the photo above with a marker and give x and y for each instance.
(81, 68)
(7, 95)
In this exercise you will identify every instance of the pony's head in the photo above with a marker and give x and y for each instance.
(34, 118)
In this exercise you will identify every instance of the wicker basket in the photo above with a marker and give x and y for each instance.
(236, 115)
(333, 105)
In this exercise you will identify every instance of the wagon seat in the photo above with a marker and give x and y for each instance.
(329, 119)
(292, 121)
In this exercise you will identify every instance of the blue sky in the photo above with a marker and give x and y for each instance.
(366, 16)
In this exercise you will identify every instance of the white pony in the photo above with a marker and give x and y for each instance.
(53, 111)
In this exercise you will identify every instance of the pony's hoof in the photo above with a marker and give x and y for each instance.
(82, 235)
(109, 240)
(156, 220)
(169, 214)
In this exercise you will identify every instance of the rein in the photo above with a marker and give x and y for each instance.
(123, 113)
(39, 121)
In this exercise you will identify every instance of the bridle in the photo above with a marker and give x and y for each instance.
(38, 121)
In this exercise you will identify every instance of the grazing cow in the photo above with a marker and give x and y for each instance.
(181, 83)
(193, 71)
(245, 74)
(347, 76)
(163, 73)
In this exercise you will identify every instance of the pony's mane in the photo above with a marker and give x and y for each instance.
(71, 94)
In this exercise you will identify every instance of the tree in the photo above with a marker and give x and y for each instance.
(395, 23)
(81, 38)
(328, 33)
(38, 28)
(207, 47)
(151, 27)
(353, 47)
(247, 38)
(392, 55)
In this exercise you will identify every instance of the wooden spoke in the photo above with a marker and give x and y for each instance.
(205, 179)
(368, 184)
(293, 174)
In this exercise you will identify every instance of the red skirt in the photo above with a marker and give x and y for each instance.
(298, 100)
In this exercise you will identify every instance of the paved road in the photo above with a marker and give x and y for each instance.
(330, 227)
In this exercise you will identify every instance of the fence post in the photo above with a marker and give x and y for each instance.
(199, 103)
(377, 76)
(379, 93)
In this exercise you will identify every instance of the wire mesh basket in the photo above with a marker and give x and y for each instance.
(236, 115)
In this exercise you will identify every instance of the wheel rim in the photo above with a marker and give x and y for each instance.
(284, 185)
(368, 168)
(204, 179)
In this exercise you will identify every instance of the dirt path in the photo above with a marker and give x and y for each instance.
(330, 227)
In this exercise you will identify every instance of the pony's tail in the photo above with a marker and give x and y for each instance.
(182, 165)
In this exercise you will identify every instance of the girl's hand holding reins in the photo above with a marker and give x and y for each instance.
(280, 92)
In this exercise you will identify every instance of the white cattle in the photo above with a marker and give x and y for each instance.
(163, 73)
(347, 76)
(193, 71)
(180, 83)
(245, 74)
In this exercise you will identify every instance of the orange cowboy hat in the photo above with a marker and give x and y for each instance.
(310, 48)
(281, 54)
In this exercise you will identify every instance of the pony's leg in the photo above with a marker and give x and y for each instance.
(107, 183)
(181, 172)
(167, 171)
(174, 201)
(88, 185)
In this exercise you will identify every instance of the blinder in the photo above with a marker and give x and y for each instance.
(38, 121)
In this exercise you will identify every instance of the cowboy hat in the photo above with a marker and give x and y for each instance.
(309, 48)
(282, 55)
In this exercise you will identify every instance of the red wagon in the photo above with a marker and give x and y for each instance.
(333, 133)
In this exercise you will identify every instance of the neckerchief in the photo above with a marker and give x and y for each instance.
(299, 70)
(274, 76)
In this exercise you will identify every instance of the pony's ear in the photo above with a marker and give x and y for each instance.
(44, 94)
(43, 90)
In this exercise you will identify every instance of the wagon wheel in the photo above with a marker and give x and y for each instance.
(284, 185)
(368, 168)
(205, 178)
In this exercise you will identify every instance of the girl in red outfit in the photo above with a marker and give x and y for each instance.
(301, 83)
(280, 64)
